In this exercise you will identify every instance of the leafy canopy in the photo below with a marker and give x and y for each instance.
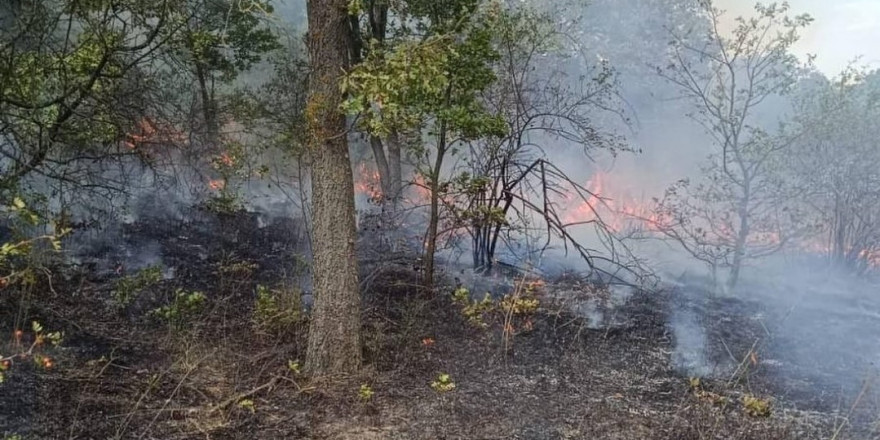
(433, 72)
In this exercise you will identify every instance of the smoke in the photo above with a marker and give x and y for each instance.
(690, 343)
(811, 327)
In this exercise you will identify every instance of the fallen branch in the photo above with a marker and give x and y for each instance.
(242, 395)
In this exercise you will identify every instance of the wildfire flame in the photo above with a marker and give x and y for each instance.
(148, 131)
(616, 208)
(226, 159)
(619, 211)
(606, 200)
(367, 182)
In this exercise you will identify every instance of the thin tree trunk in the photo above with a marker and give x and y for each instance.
(740, 245)
(395, 172)
(209, 110)
(434, 187)
(334, 335)
(388, 164)
(381, 165)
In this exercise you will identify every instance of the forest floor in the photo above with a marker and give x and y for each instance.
(120, 374)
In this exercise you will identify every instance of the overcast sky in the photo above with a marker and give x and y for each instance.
(842, 30)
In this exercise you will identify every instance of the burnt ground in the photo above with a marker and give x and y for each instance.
(609, 372)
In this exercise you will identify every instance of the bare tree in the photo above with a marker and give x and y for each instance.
(540, 106)
(509, 197)
(334, 335)
(732, 215)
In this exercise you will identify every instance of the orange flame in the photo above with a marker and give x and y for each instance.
(367, 182)
(616, 208)
(148, 131)
(226, 159)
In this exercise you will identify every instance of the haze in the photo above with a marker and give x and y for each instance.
(842, 31)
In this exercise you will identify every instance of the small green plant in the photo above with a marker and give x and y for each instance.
(443, 383)
(247, 404)
(474, 311)
(756, 406)
(184, 306)
(277, 311)
(461, 296)
(365, 393)
(513, 306)
(129, 287)
(23, 255)
(519, 305)
(12, 437)
(233, 166)
(294, 367)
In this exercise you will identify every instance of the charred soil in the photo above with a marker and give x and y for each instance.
(122, 374)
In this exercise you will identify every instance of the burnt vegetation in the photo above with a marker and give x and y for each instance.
(433, 219)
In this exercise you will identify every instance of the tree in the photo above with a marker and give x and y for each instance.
(221, 39)
(217, 41)
(76, 87)
(369, 32)
(837, 164)
(430, 83)
(506, 177)
(733, 215)
(334, 334)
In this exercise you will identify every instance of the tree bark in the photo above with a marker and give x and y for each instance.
(389, 167)
(334, 334)
(742, 237)
(434, 220)
(209, 110)
(387, 162)
(381, 166)
(395, 171)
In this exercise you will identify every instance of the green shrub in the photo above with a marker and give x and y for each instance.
(128, 288)
(474, 311)
(276, 311)
(756, 406)
(183, 307)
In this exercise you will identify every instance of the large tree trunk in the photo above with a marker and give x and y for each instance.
(334, 335)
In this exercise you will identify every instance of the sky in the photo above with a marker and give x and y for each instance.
(841, 31)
